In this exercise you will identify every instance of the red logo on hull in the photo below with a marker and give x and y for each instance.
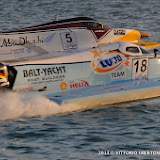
(78, 85)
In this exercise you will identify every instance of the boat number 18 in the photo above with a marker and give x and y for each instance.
(140, 68)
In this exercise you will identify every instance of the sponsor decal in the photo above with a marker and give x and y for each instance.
(42, 75)
(18, 51)
(78, 84)
(118, 74)
(63, 86)
(7, 42)
(26, 89)
(117, 88)
(74, 85)
(119, 32)
(105, 62)
(44, 71)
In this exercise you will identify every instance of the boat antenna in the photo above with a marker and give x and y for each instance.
(56, 18)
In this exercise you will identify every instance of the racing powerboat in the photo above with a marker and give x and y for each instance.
(74, 34)
(112, 73)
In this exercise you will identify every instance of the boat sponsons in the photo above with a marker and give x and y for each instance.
(97, 103)
(95, 97)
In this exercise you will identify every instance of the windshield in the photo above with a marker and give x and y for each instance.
(132, 49)
(144, 51)
(92, 24)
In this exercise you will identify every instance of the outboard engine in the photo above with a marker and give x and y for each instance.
(3, 76)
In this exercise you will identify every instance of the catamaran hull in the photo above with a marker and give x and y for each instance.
(79, 84)
(102, 101)
(71, 34)
(106, 75)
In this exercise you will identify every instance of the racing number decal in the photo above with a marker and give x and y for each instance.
(140, 68)
(69, 40)
(68, 37)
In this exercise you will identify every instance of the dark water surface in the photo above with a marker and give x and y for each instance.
(31, 128)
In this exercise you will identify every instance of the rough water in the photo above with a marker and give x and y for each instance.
(36, 128)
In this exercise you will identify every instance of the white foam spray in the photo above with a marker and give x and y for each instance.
(13, 106)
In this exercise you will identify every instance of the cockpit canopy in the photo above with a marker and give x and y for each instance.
(127, 48)
(131, 49)
(136, 50)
